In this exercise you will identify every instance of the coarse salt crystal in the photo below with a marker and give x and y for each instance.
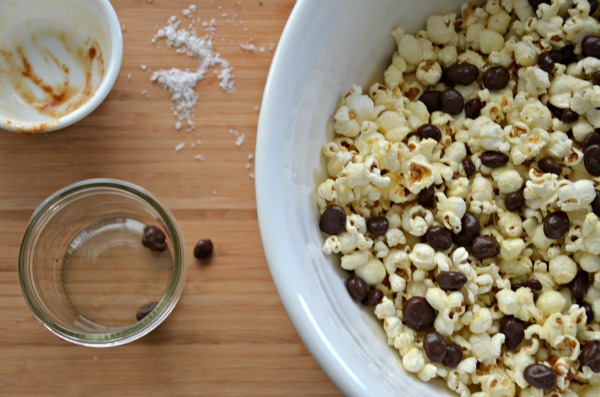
(180, 147)
(248, 47)
(199, 157)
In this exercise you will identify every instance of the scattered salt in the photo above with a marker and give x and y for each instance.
(248, 166)
(129, 76)
(178, 125)
(248, 47)
(143, 67)
(251, 175)
(180, 147)
(240, 137)
(250, 157)
(189, 12)
(199, 157)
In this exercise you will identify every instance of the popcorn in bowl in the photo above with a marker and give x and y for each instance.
(463, 197)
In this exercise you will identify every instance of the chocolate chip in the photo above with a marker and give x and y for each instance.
(451, 281)
(556, 112)
(593, 7)
(513, 330)
(418, 313)
(333, 220)
(590, 355)
(462, 73)
(432, 100)
(378, 225)
(548, 59)
(452, 101)
(439, 238)
(154, 239)
(515, 287)
(568, 116)
(591, 159)
(203, 249)
(453, 355)
(434, 346)
(425, 197)
(469, 167)
(590, 46)
(568, 55)
(429, 131)
(496, 78)
(374, 296)
(596, 204)
(590, 140)
(473, 108)
(589, 312)
(145, 310)
(580, 285)
(470, 229)
(556, 225)
(514, 201)
(596, 77)
(535, 285)
(549, 166)
(493, 159)
(540, 376)
(357, 288)
(535, 3)
(484, 247)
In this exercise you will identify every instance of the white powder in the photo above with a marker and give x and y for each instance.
(182, 83)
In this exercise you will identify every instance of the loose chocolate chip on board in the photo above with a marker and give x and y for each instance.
(429, 131)
(451, 281)
(453, 355)
(591, 159)
(470, 229)
(357, 288)
(548, 165)
(434, 346)
(333, 220)
(548, 59)
(514, 201)
(484, 247)
(540, 376)
(590, 355)
(580, 285)
(473, 108)
(590, 46)
(496, 78)
(452, 101)
(426, 196)
(432, 100)
(418, 313)
(568, 116)
(203, 249)
(378, 225)
(439, 238)
(462, 73)
(493, 159)
(154, 239)
(374, 296)
(145, 310)
(596, 204)
(513, 330)
(469, 167)
(556, 225)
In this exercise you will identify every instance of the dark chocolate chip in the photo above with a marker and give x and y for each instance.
(473, 108)
(154, 239)
(596, 77)
(540, 376)
(568, 55)
(589, 312)
(451, 281)
(493, 159)
(453, 355)
(469, 167)
(439, 238)
(145, 310)
(432, 100)
(548, 59)
(590, 46)
(378, 225)
(357, 288)
(556, 225)
(470, 229)
(462, 73)
(514, 201)
(203, 249)
(513, 330)
(591, 159)
(590, 355)
(426, 196)
(374, 296)
(515, 287)
(549, 166)
(590, 140)
(452, 101)
(418, 313)
(580, 285)
(484, 247)
(496, 78)
(593, 7)
(333, 220)
(596, 204)
(429, 131)
(434, 346)
(568, 116)
(535, 285)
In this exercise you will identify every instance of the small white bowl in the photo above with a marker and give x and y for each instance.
(58, 61)
(326, 47)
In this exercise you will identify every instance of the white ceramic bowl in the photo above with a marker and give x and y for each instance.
(58, 61)
(326, 47)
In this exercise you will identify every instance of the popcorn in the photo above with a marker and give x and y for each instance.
(507, 180)
(481, 196)
(413, 360)
(422, 257)
(450, 211)
(563, 269)
(440, 29)
(416, 220)
(550, 302)
(371, 272)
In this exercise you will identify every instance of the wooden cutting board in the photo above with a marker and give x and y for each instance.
(229, 334)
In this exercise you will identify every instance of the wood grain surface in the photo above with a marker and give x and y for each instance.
(229, 334)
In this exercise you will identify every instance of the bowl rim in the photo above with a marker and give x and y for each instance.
(110, 77)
